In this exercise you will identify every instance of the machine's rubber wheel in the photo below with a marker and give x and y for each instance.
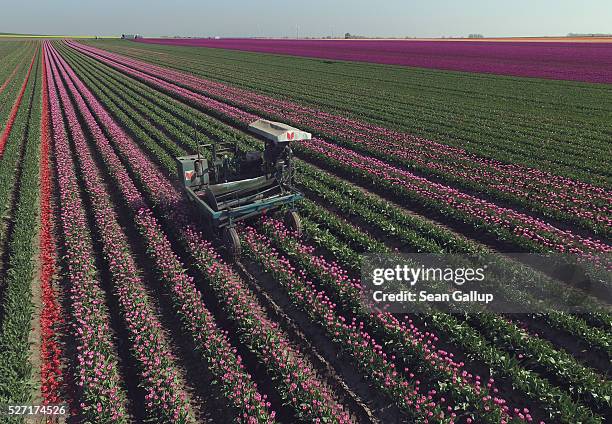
(294, 222)
(232, 243)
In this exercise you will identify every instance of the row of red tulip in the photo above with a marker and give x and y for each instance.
(51, 318)
(6, 131)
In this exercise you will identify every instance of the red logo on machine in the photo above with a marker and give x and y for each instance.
(189, 175)
(290, 136)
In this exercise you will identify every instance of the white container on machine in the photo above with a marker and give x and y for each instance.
(277, 131)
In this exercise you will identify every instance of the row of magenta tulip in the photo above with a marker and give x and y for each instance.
(299, 384)
(100, 390)
(504, 223)
(19, 251)
(236, 384)
(556, 196)
(165, 397)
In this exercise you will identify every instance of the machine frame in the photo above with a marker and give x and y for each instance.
(269, 191)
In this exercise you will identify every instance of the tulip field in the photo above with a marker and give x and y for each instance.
(117, 303)
(579, 61)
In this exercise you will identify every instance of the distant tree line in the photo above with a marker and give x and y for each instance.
(571, 34)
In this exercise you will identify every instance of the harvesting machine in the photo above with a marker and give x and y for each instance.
(229, 186)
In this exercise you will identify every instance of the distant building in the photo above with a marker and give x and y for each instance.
(130, 36)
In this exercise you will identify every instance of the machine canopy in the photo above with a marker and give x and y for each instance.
(277, 131)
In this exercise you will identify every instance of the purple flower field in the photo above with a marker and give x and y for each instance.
(588, 62)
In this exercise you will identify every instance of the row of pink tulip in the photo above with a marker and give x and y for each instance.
(367, 353)
(221, 359)
(545, 190)
(165, 398)
(436, 364)
(101, 394)
(539, 386)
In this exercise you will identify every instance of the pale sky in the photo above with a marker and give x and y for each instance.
(276, 18)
